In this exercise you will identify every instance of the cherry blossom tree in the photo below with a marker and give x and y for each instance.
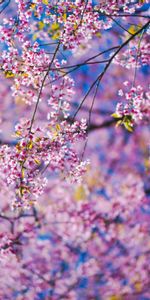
(74, 150)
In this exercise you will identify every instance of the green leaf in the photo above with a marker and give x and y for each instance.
(127, 122)
(116, 116)
(55, 26)
(45, 2)
(41, 25)
(80, 193)
(118, 123)
(128, 126)
(9, 74)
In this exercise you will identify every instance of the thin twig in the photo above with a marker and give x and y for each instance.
(109, 63)
(41, 88)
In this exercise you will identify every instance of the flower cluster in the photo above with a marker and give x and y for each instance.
(60, 94)
(43, 148)
(79, 26)
(75, 228)
(113, 6)
(134, 56)
(29, 73)
(79, 231)
(134, 109)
